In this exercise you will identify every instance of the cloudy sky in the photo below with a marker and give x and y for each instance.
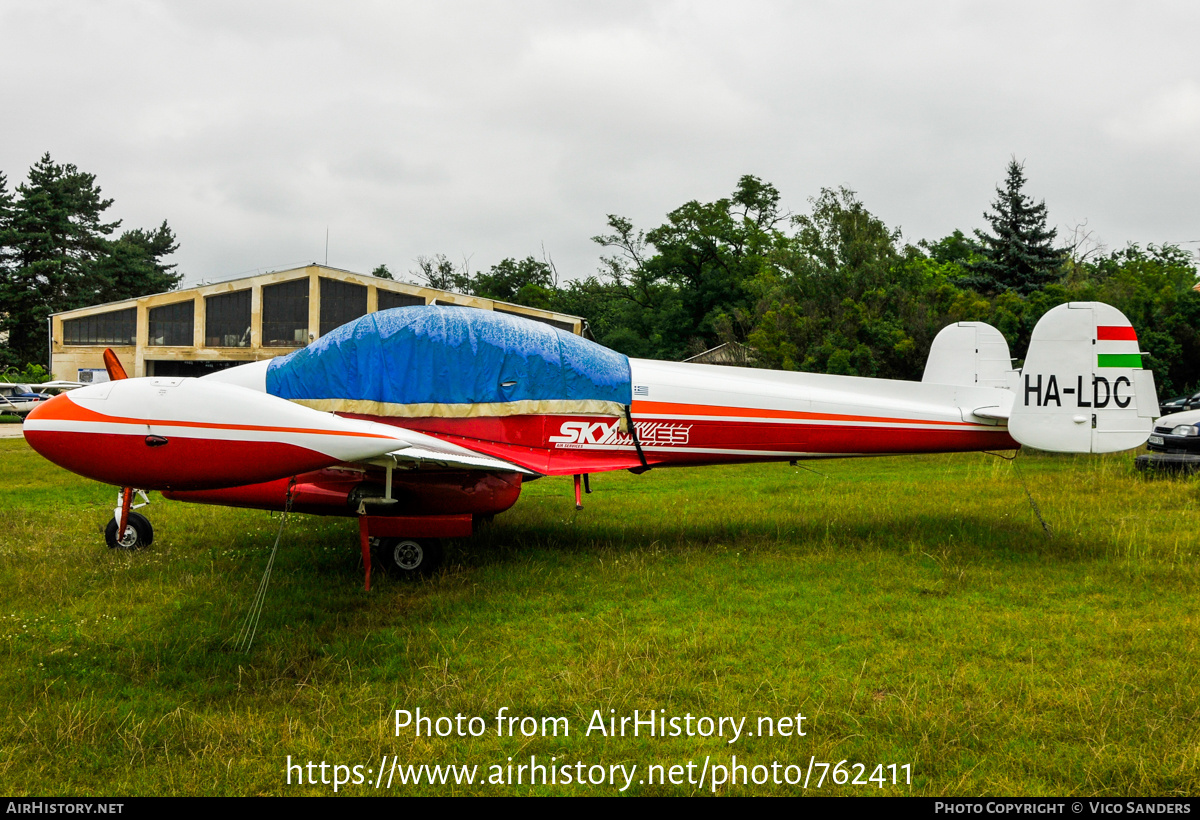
(485, 130)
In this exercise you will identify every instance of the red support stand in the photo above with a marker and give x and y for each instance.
(409, 526)
(578, 497)
(365, 537)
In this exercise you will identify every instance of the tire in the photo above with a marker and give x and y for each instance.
(138, 533)
(408, 558)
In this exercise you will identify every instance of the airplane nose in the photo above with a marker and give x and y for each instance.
(40, 407)
(44, 442)
(192, 434)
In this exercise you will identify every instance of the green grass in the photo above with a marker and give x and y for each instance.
(911, 608)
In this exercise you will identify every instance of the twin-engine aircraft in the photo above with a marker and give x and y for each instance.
(421, 421)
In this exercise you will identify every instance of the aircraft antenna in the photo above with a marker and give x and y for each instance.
(249, 629)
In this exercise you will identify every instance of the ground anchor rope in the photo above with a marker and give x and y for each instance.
(245, 637)
(1021, 476)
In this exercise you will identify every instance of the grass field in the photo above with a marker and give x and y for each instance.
(912, 609)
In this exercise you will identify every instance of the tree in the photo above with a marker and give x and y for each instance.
(57, 232)
(525, 282)
(840, 298)
(133, 266)
(382, 272)
(439, 272)
(1153, 287)
(7, 213)
(1019, 255)
(680, 299)
(57, 255)
(710, 250)
(7, 264)
(955, 249)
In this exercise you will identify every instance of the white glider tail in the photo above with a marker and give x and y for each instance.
(1083, 388)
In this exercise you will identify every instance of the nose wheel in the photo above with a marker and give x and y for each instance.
(138, 533)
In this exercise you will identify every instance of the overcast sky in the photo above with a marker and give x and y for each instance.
(487, 130)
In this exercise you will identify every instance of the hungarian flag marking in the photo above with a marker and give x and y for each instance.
(1118, 333)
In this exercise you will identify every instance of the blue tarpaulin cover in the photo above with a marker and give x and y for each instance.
(457, 361)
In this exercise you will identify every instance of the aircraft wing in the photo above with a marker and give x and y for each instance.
(421, 450)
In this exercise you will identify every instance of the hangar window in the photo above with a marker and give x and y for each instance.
(117, 327)
(390, 299)
(227, 320)
(341, 302)
(171, 325)
(285, 314)
(173, 369)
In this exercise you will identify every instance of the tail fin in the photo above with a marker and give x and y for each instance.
(1083, 388)
(973, 354)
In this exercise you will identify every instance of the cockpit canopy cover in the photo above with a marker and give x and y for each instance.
(453, 361)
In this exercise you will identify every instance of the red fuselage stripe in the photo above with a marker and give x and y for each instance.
(681, 411)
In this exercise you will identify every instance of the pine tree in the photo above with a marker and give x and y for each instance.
(56, 254)
(133, 266)
(7, 265)
(6, 225)
(57, 233)
(1019, 255)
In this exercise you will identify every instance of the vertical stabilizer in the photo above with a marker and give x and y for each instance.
(973, 354)
(1083, 388)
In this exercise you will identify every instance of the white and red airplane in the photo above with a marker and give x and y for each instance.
(422, 420)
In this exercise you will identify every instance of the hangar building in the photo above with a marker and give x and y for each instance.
(197, 330)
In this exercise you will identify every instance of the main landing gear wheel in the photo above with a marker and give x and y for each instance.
(138, 533)
(408, 557)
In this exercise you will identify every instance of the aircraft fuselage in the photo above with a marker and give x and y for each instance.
(692, 414)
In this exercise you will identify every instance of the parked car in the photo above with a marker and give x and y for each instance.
(1178, 433)
(1180, 404)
